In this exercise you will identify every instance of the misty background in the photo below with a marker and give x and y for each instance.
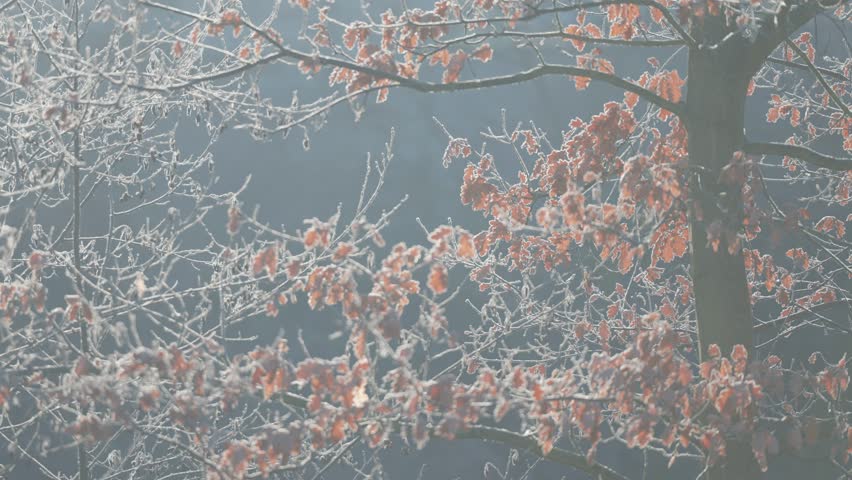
(290, 183)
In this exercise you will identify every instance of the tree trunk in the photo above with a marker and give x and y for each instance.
(716, 100)
(716, 93)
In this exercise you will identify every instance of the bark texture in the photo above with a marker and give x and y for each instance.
(716, 92)
(716, 101)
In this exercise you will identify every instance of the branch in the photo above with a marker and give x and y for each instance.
(7, 5)
(184, 447)
(421, 86)
(556, 455)
(512, 439)
(804, 313)
(820, 77)
(539, 12)
(800, 152)
(774, 30)
(566, 36)
(824, 71)
(672, 21)
(47, 370)
(543, 70)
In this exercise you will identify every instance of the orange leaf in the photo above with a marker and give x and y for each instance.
(266, 259)
(612, 310)
(438, 279)
(604, 332)
(454, 67)
(575, 30)
(483, 53)
(466, 247)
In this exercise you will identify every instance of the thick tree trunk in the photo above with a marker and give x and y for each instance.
(716, 93)
(715, 99)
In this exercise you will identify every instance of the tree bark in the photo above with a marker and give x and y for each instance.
(716, 91)
(716, 101)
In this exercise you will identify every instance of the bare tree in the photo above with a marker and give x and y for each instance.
(637, 274)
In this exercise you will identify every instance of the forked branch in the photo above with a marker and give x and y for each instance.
(285, 52)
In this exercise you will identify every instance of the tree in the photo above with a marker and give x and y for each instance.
(624, 273)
